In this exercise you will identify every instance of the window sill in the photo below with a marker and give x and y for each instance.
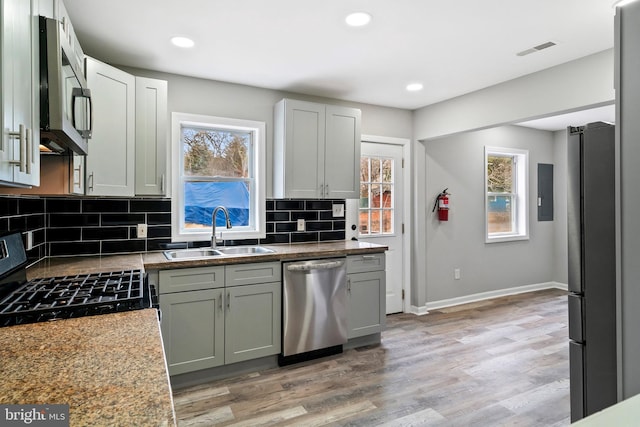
(507, 238)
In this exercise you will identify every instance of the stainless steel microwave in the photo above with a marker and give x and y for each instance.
(65, 100)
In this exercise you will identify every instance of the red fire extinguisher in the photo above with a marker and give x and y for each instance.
(442, 203)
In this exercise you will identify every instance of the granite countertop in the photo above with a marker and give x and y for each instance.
(64, 266)
(110, 369)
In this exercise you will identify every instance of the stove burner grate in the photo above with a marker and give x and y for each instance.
(73, 296)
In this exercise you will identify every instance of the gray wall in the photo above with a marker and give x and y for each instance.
(201, 96)
(457, 162)
(560, 271)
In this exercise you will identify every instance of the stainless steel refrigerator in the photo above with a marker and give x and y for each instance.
(592, 268)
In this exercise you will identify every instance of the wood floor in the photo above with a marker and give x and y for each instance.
(502, 362)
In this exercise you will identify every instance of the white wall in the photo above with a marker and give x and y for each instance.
(457, 162)
(567, 87)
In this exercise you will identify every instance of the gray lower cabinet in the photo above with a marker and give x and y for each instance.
(212, 316)
(193, 329)
(252, 322)
(366, 286)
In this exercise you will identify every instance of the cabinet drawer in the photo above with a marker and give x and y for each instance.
(247, 274)
(191, 279)
(365, 263)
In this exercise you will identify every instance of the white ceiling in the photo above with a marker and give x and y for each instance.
(303, 46)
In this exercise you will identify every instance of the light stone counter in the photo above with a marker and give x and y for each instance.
(110, 368)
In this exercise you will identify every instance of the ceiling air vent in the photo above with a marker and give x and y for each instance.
(536, 48)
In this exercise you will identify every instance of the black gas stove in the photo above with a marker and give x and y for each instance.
(38, 300)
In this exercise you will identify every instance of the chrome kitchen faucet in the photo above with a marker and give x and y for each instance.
(213, 222)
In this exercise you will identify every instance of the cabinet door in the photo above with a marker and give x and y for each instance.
(252, 321)
(19, 152)
(366, 303)
(151, 136)
(342, 153)
(193, 330)
(111, 157)
(304, 134)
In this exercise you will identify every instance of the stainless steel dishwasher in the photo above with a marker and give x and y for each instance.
(314, 309)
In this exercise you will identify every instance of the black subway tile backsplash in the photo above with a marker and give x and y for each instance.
(150, 205)
(57, 220)
(278, 216)
(74, 248)
(304, 237)
(71, 234)
(61, 205)
(289, 205)
(102, 205)
(306, 215)
(105, 233)
(123, 219)
(319, 205)
(64, 226)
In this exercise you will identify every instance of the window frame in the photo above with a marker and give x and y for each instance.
(257, 201)
(369, 209)
(520, 195)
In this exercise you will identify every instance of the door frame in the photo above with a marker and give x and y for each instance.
(406, 209)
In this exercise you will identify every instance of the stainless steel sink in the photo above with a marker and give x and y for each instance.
(244, 250)
(204, 253)
(186, 254)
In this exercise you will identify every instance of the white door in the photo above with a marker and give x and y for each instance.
(378, 214)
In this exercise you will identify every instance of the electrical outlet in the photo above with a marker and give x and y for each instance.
(29, 244)
(338, 210)
(456, 273)
(301, 224)
(142, 231)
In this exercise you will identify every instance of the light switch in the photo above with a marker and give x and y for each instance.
(338, 210)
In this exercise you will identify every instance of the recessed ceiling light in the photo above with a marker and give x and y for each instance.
(358, 19)
(414, 87)
(182, 41)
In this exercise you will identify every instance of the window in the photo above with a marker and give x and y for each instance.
(507, 182)
(376, 196)
(217, 162)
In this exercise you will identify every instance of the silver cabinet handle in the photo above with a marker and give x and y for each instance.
(91, 181)
(326, 190)
(21, 135)
(220, 302)
(349, 285)
(368, 257)
(79, 170)
(29, 148)
(228, 301)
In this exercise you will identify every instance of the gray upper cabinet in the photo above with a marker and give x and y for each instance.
(316, 150)
(19, 150)
(151, 136)
(111, 159)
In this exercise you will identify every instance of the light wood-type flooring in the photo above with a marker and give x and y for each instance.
(501, 362)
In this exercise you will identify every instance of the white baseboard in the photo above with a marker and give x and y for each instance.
(434, 305)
